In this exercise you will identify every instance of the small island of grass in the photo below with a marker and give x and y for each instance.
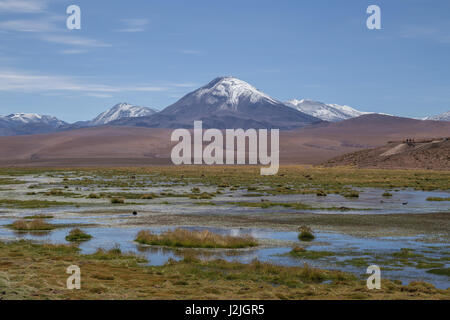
(31, 225)
(182, 238)
(306, 234)
(78, 235)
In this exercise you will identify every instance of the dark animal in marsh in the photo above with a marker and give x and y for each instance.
(404, 203)
(134, 213)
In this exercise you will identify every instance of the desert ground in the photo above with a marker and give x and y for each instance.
(113, 146)
(224, 232)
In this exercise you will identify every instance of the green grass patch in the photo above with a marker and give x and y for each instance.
(429, 265)
(291, 205)
(117, 201)
(61, 193)
(440, 272)
(31, 204)
(306, 234)
(406, 253)
(39, 216)
(207, 203)
(299, 252)
(438, 199)
(350, 194)
(78, 235)
(10, 181)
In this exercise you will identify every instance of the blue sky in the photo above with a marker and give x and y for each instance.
(151, 53)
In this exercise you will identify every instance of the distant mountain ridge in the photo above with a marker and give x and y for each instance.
(120, 111)
(32, 123)
(323, 111)
(27, 118)
(29, 123)
(225, 102)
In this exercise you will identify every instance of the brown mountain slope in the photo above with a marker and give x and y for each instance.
(122, 146)
(418, 154)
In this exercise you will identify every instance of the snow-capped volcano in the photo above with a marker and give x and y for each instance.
(119, 111)
(323, 111)
(226, 102)
(441, 117)
(229, 92)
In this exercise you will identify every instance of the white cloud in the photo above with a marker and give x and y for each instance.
(22, 6)
(134, 25)
(74, 41)
(51, 28)
(13, 81)
(184, 85)
(27, 25)
(100, 95)
(73, 51)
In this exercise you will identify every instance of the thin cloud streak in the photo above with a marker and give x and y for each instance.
(75, 41)
(22, 82)
(27, 25)
(22, 6)
(134, 25)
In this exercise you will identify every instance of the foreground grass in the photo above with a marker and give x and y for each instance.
(290, 179)
(194, 239)
(32, 271)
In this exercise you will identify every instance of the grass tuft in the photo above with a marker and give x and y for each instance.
(117, 200)
(78, 235)
(306, 234)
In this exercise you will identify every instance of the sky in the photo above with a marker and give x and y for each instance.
(151, 53)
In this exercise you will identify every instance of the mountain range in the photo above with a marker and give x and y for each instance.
(225, 102)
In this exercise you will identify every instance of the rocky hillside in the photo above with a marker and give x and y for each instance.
(407, 154)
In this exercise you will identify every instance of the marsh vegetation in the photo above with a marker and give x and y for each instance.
(185, 212)
(194, 239)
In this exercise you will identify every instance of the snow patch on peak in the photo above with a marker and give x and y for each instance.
(323, 111)
(441, 117)
(24, 117)
(230, 91)
(32, 118)
(121, 110)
